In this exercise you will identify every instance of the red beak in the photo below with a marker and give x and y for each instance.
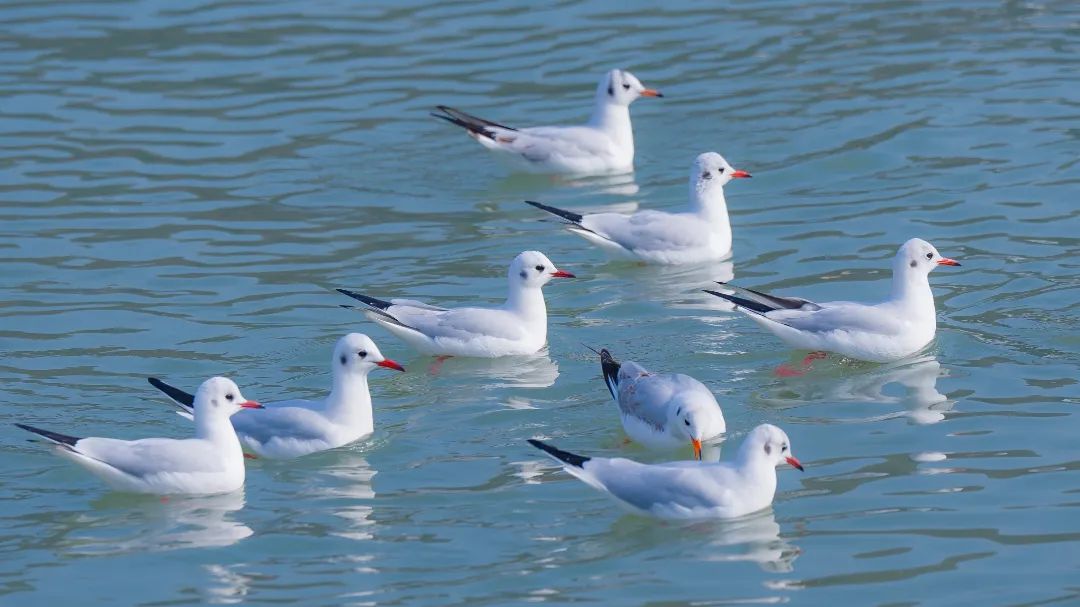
(562, 274)
(740, 175)
(250, 404)
(389, 364)
(795, 463)
(651, 93)
(945, 261)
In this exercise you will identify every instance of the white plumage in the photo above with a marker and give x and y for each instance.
(293, 428)
(518, 326)
(212, 462)
(693, 489)
(896, 328)
(700, 234)
(662, 410)
(604, 145)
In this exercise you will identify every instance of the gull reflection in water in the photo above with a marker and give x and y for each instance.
(346, 477)
(911, 382)
(175, 522)
(531, 371)
(752, 538)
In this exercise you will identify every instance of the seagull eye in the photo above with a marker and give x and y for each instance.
(626, 87)
(539, 268)
(686, 421)
(929, 255)
(783, 448)
(720, 170)
(362, 353)
(229, 397)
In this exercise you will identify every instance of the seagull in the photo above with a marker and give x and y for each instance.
(688, 490)
(604, 145)
(210, 463)
(292, 428)
(662, 410)
(519, 326)
(884, 332)
(701, 234)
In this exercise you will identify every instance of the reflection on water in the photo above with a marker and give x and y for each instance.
(348, 477)
(153, 524)
(911, 383)
(531, 371)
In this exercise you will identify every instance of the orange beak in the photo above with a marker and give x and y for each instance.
(651, 93)
(945, 261)
(697, 448)
(740, 175)
(795, 463)
(562, 274)
(250, 404)
(389, 364)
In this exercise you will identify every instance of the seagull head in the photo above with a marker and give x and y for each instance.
(356, 354)
(771, 443)
(697, 419)
(534, 269)
(219, 397)
(711, 170)
(620, 87)
(917, 255)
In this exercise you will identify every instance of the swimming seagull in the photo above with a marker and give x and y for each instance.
(893, 329)
(688, 490)
(701, 234)
(662, 410)
(292, 428)
(212, 462)
(518, 326)
(604, 145)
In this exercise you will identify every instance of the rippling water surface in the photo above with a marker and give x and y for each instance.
(183, 185)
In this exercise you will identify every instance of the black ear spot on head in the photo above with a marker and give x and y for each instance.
(343, 359)
(913, 263)
(524, 274)
(768, 449)
(706, 175)
(610, 90)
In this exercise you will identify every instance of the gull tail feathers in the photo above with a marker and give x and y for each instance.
(54, 437)
(472, 124)
(184, 399)
(572, 217)
(563, 457)
(746, 304)
(610, 367)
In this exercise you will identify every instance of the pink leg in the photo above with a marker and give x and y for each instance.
(250, 456)
(437, 365)
(785, 370)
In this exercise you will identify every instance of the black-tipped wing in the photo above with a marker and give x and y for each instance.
(473, 124)
(610, 368)
(181, 397)
(574, 218)
(787, 303)
(563, 456)
(371, 302)
(56, 437)
(751, 305)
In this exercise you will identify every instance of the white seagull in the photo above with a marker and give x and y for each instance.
(701, 234)
(662, 410)
(893, 329)
(604, 145)
(519, 326)
(689, 490)
(292, 428)
(212, 462)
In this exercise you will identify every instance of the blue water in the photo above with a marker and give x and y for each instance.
(183, 186)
